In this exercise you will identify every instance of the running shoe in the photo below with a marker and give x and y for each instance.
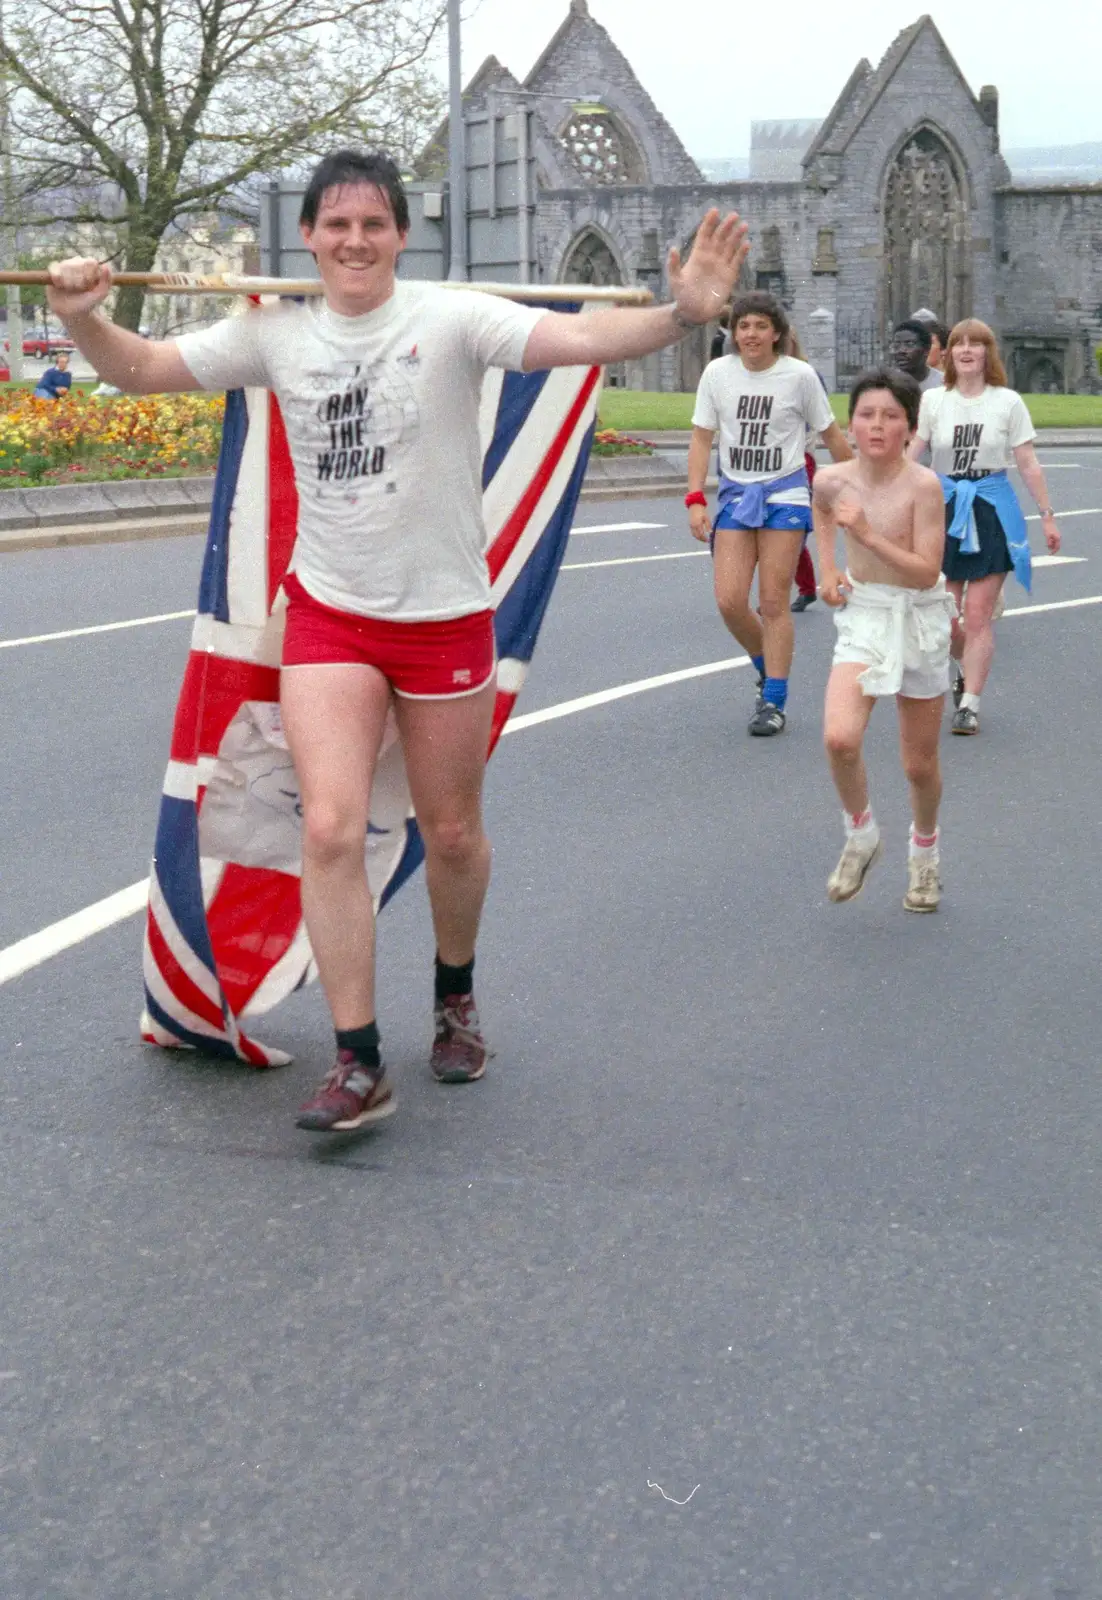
(923, 884)
(965, 720)
(854, 865)
(459, 1052)
(958, 684)
(802, 601)
(767, 720)
(352, 1096)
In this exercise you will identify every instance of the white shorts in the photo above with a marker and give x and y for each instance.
(900, 635)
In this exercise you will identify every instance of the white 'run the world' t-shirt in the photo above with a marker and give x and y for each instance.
(381, 413)
(763, 418)
(970, 438)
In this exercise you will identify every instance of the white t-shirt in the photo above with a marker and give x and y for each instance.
(381, 413)
(763, 418)
(970, 438)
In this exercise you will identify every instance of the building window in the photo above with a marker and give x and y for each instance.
(927, 236)
(601, 149)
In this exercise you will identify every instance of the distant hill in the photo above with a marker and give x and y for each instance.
(1058, 163)
(724, 169)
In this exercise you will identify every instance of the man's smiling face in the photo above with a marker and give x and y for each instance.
(356, 243)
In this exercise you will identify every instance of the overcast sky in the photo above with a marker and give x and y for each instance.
(1045, 59)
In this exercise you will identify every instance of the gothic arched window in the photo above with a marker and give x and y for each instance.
(927, 235)
(601, 149)
(591, 261)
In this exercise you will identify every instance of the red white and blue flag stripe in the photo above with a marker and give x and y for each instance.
(225, 939)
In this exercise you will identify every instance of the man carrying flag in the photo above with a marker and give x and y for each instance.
(388, 598)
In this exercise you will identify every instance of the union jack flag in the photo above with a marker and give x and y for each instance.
(225, 940)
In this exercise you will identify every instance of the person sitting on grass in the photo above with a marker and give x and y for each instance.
(56, 380)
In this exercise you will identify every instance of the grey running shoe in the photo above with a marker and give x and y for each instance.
(857, 859)
(965, 720)
(801, 602)
(958, 684)
(923, 884)
(767, 720)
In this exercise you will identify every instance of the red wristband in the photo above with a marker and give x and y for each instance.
(697, 498)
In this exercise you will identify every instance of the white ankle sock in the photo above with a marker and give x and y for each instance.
(925, 852)
(865, 831)
(969, 702)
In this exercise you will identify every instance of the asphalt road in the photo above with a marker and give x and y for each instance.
(784, 1210)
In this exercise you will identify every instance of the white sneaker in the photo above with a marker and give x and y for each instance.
(923, 883)
(860, 854)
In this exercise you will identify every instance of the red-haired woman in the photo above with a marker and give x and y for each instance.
(976, 428)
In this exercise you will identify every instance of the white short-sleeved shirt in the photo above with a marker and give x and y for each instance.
(763, 418)
(970, 438)
(381, 413)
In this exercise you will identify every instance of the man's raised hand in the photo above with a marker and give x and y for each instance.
(77, 286)
(702, 285)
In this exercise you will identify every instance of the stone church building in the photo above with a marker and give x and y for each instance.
(900, 200)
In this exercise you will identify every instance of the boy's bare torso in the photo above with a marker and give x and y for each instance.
(889, 507)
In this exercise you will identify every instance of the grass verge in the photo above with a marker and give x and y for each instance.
(634, 409)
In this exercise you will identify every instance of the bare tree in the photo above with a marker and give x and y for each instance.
(143, 114)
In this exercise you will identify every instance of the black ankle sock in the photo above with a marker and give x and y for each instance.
(363, 1043)
(453, 980)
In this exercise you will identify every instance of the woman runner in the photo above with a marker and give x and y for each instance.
(975, 428)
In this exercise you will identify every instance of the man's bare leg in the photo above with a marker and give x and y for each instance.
(734, 559)
(446, 744)
(334, 718)
(845, 721)
(919, 736)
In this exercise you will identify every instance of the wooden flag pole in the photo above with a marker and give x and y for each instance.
(233, 283)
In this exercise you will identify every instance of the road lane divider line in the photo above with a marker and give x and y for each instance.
(38, 947)
(100, 627)
(1089, 511)
(628, 561)
(1053, 605)
(103, 914)
(618, 527)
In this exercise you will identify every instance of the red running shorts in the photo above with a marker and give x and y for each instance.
(420, 660)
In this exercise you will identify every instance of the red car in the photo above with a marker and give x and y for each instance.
(43, 347)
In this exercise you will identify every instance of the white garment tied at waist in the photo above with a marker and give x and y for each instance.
(915, 615)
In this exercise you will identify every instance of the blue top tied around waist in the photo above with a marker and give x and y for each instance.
(998, 491)
(746, 501)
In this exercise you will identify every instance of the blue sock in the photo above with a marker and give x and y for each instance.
(758, 664)
(776, 692)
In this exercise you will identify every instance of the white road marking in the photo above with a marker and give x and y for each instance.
(101, 627)
(51, 941)
(1058, 561)
(604, 697)
(1054, 605)
(59, 936)
(1091, 511)
(620, 527)
(629, 561)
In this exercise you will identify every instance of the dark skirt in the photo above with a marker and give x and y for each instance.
(993, 555)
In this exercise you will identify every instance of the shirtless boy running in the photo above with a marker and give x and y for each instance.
(893, 623)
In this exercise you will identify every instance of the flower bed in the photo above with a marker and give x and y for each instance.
(84, 440)
(610, 442)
